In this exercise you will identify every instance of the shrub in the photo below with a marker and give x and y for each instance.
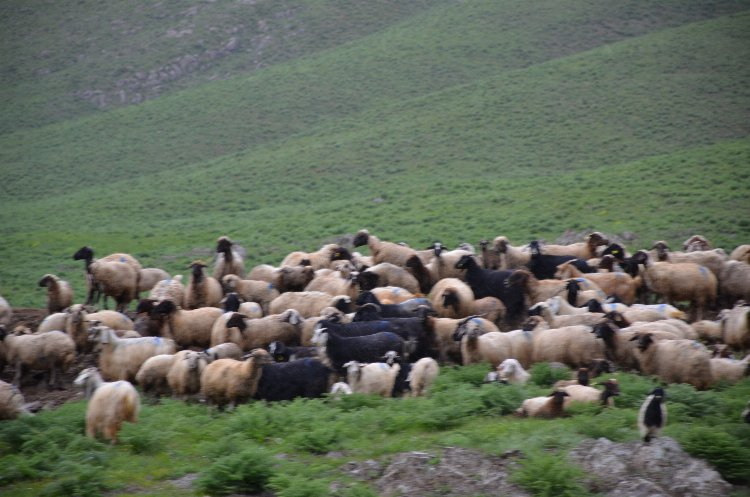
(248, 471)
(543, 375)
(317, 440)
(723, 451)
(548, 475)
(76, 479)
(298, 486)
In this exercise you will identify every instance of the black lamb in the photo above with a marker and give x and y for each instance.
(494, 283)
(306, 377)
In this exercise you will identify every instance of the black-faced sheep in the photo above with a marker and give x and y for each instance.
(110, 404)
(53, 352)
(294, 278)
(710, 259)
(443, 264)
(543, 266)
(551, 406)
(674, 361)
(336, 350)
(229, 382)
(228, 260)
(201, 290)
(387, 274)
(397, 254)
(335, 283)
(59, 293)
(306, 378)
(581, 250)
(652, 415)
(259, 333)
(115, 275)
(257, 291)
(322, 258)
(591, 395)
(188, 328)
(11, 402)
(374, 378)
(121, 358)
(620, 285)
(452, 298)
(309, 304)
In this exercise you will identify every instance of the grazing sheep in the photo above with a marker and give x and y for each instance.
(228, 260)
(121, 358)
(110, 404)
(652, 415)
(511, 371)
(574, 346)
(731, 370)
(387, 274)
(309, 304)
(11, 402)
(115, 275)
(259, 333)
(620, 285)
(735, 326)
(674, 361)
(591, 395)
(169, 289)
(251, 290)
(492, 347)
(149, 277)
(734, 282)
(322, 258)
(229, 382)
(375, 378)
(550, 406)
(227, 350)
(191, 328)
(294, 278)
(59, 293)
(53, 352)
(202, 290)
(152, 375)
(184, 377)
(452, 298)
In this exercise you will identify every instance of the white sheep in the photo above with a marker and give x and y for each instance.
(149, 277)
(53, 351)
(228, 350)
(591, 395)
(452, 298)
(11, 402)
(339, 389)
(544, 310)
(335, 283)
(392, 294)
(169, 289)
(731, 370)
(251, 334)
(551, 406)
(293, 278)
(115, 275)
(59, 293)
(228, 260)
(184, 377)
(422, 376)
(674, 361)
(79, 319)
(152, 375)
(374, 378)
(319, 259)
(620, 285)
(511, 257)
(574, 346)
(110, 404)
(511, 371)
(189, 328)
(121, 358)
(258, 291)
(735, 326)
(387, 274)
(201, 290)
(494, 346)
(228, 382)
(308, 304)
(741, 253)
(734, 282)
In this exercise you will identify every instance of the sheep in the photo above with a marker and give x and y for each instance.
(376, 312)
(319, 259)
(169, 289)
(491, 258)
(732, 370)
(491, 308)
(674, 361)
(580, 250)
(392, 295)
(184, 377)
(264, 272)
(307, 378)
(308, 304)
(680, 281)
(201, 290)
(339, 389)
(741, 253)
(149, 277)
(110, 404)
(188, 328)
(492, 347)
(574, 346)
(511, 257)
(52, 351)
(591, 395)
(710, 259)
(696, 243)
(735, 326)
(403, 309)
(256, 333)
(229, 382)
(251, 290)
(121, 358)
(387, 274)
(308, 327)
(540, 290)
(78, 321)
(227, 350)
(335, 284)
(336, 350)
(582, 378)
(618, 345)
(745, 416)
(734, 282)
(115, 275)
(228, 260)
(543, 266)
(561, 307)
(11, 402)
(679, 329)
(550, 406)
(442, 330)
(394, 253)
(294, 278)
(52, 322)
(639, 312)
(620, 285)
(375, 378)
(489, 283)
(285, 353)
(443, 264)
(452, 298)
(6, 312)
(544, 310)
(59, 293)
(511, 371)
(152, 375)
(652, 415)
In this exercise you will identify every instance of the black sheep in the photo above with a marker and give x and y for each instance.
(405, 309)
(653, 415)
(306, 377)
(544, 266)
(285, 353)
(492, 283)
(370, 348)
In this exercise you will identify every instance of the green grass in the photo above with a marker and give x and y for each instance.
(49, 453)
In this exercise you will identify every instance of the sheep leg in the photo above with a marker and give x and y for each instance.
(19, 373)
(52, 377)
(90, 431)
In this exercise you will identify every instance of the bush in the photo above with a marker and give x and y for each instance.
(543, 375)
(499, 400)
(248, 471)
(548, 475)
(298, 486)
(724, 452)
(317, 440)
(76, 479)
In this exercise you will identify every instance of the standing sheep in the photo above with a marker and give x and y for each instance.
(169, 289)
(184, 377)
(121, 358)
(452, 298)
(422, 376)
(734, 282)
(229, 382)
(387, 274)
(257, 333)
(257, 291)
(53, 352)
(115, 275)
(59, 293)
(319, 259)
(492, 347)
(620, 285)
(735, 326)
(674, 361)
(308, 304)
(188, 328)
(574, 346)
(110, 404)
(152, 375)
(78, 321)
(202, 290)
(652, 415)
(374, 378)
(149, 277)
(228, 260)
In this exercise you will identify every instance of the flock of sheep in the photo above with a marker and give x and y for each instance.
(335, 321)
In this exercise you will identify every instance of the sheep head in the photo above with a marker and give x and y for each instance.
(85, 253)
(231, 302)
(47, 280)
(361, 238)
(223, 244)
(237, 320)
(465, 262)
(368, 280)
